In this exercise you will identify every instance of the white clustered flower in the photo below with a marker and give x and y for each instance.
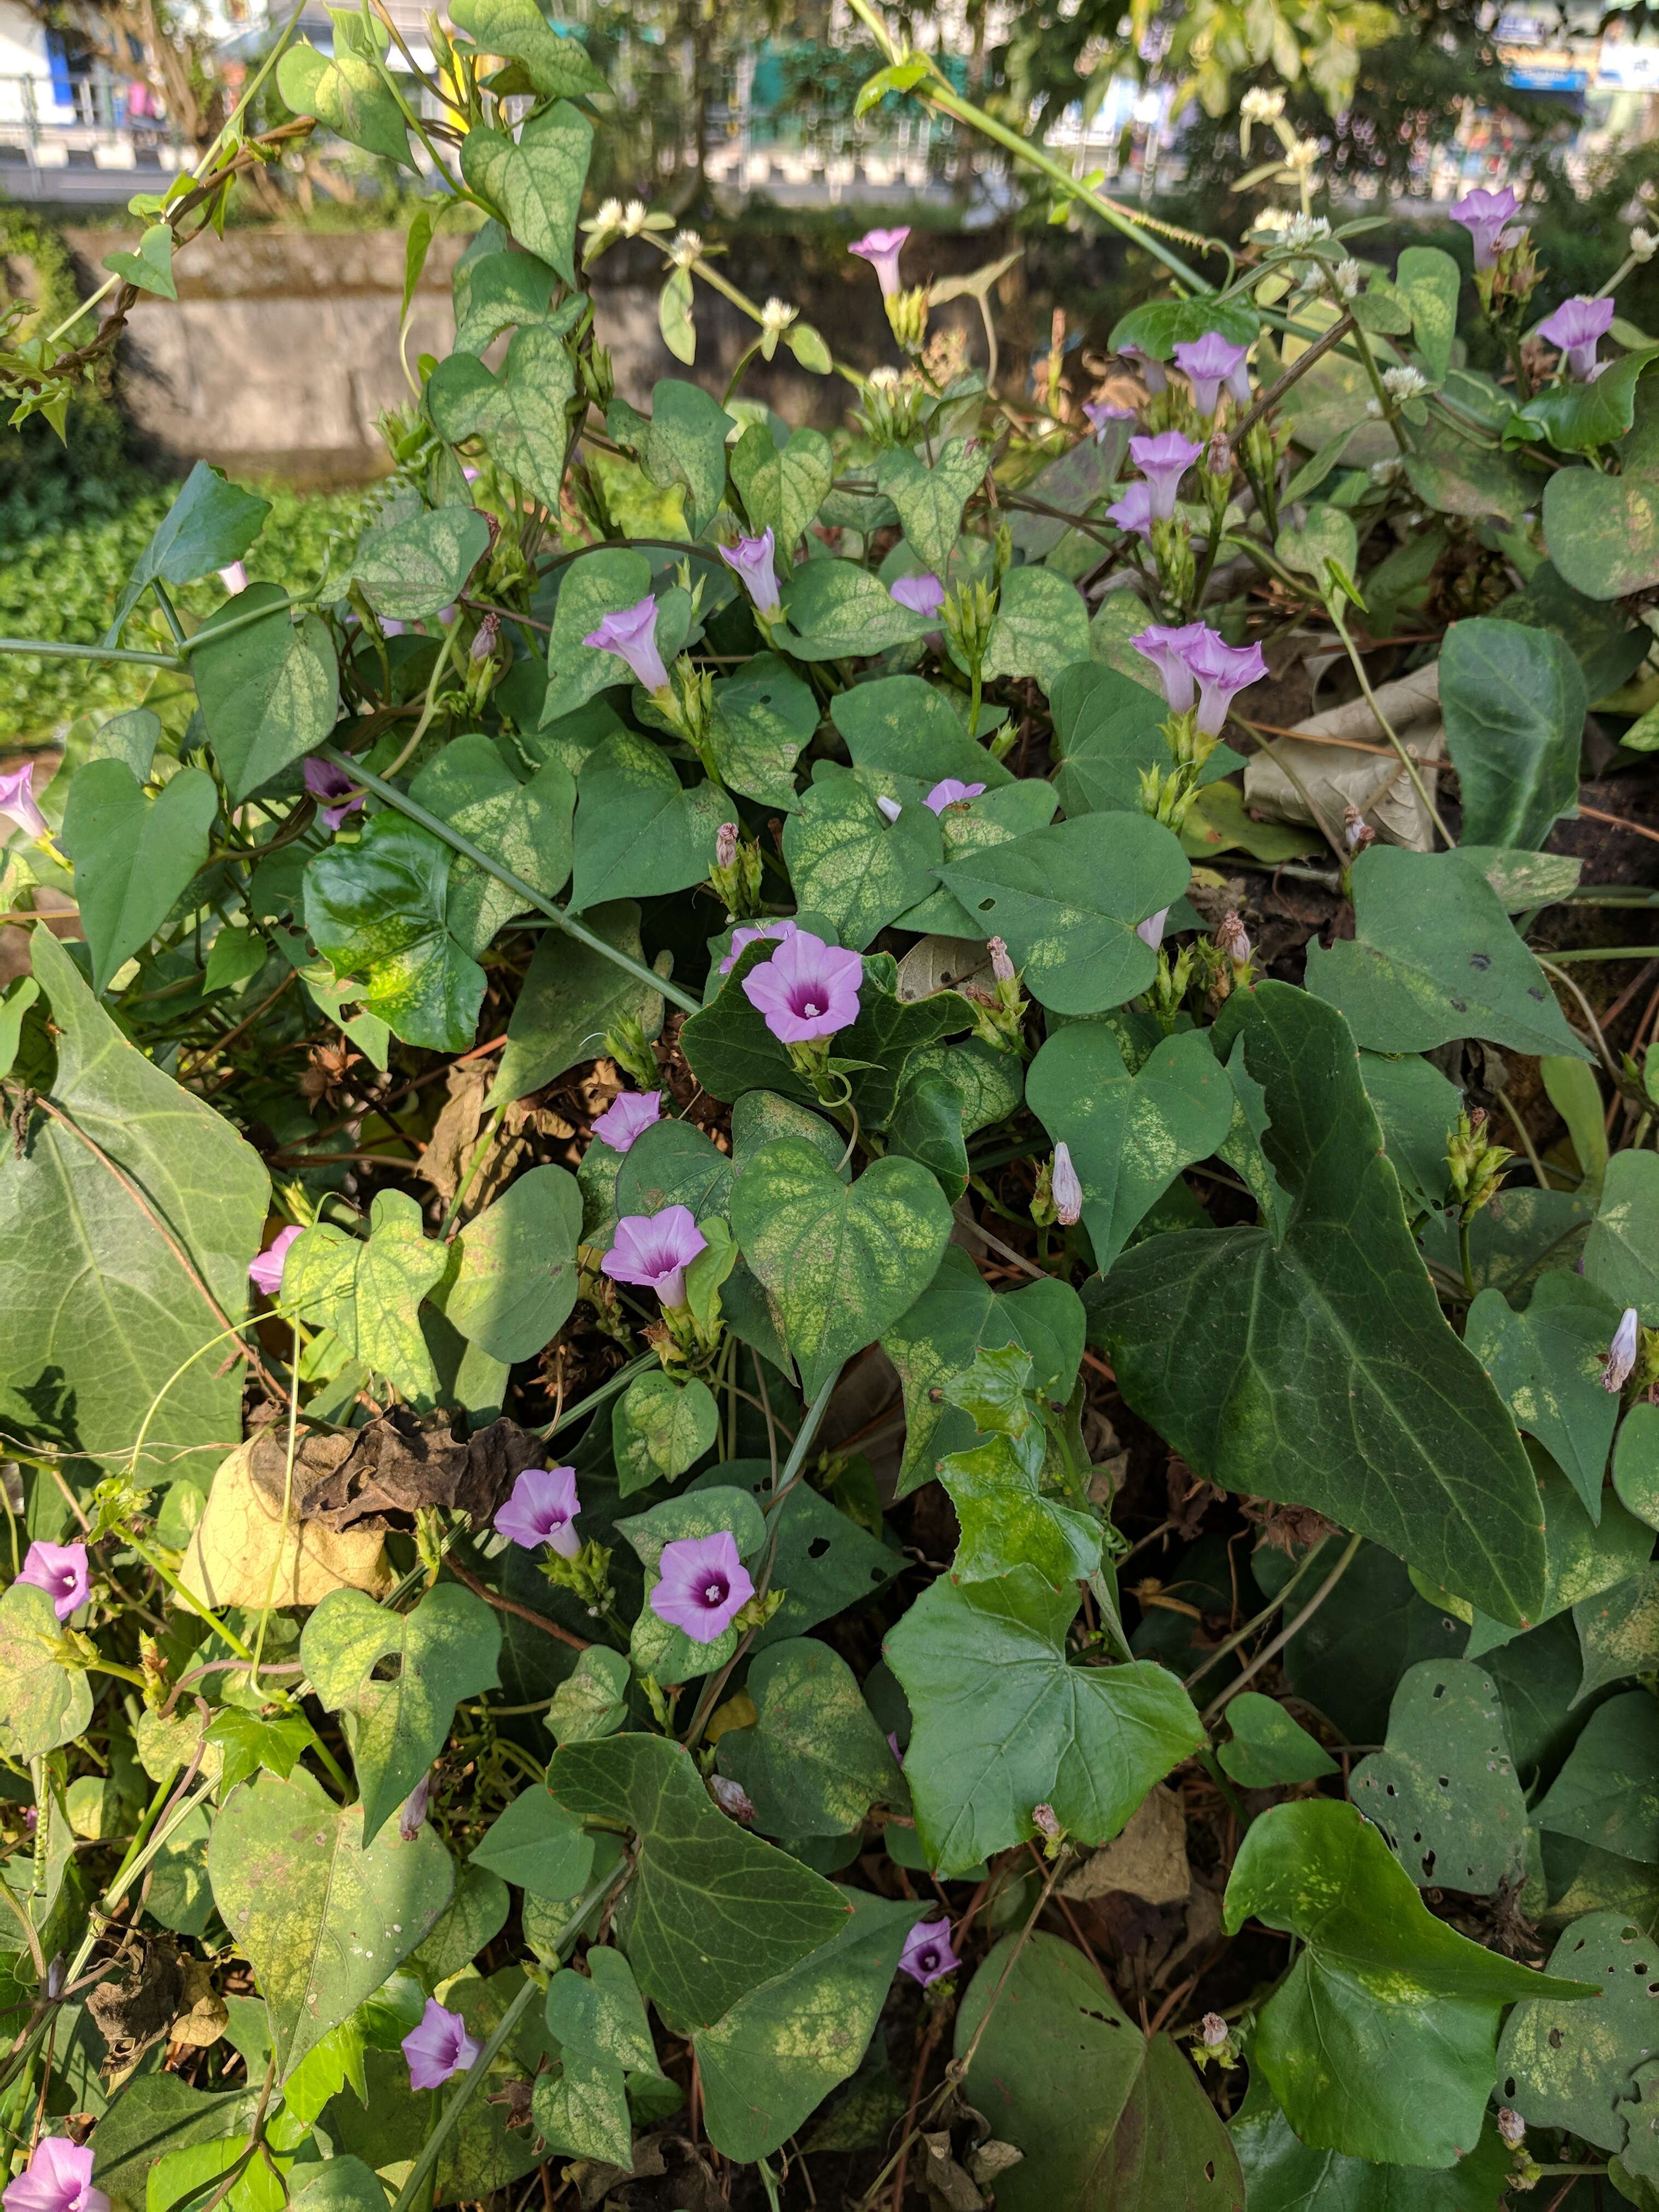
(777, 315)
(1404, 382)
(609, 216)
(1306, 229)
(1272, 220)
(1348, 274)
(1385, 472)
(883, 380)
(1374, 407)
(1260, 107)
(1301, 156)
(1642, 245)
(688, 244)
(634, 217)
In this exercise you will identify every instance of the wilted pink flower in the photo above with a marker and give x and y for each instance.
(725, 845)
(1209, 362)
(1152, 369)
(542, 1510)
(17, 804)
(631, 634)
(923, 594)
(1221, 670)
(1511, 2127)
(731, 1797)
(1002, 967)
(1046, 1822)
(1133, 511)
(1233, 939)
(1484, 215)
(1150, 932)
(627, 1118)
(235, 579)
(1213, 2031)
(60, 1569)
(1067, 1190)
(881, 249)
(1576, 326)
(1169, 649)
(752, 560)
(440, 2048)
(414, 1809)
(951, 791)
(889, 809)
(485, 639)
(58, 2179)
(807, 989)
(746, 933)
(1619, 1366)
(1357, 832)
(928, 1953)
(1164, 461)
(655, 1250)
(324, 780)
(702, 1584)
(266, 1273)
(1101, 415)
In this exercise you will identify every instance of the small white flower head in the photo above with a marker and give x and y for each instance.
(688, 244)
(1622, 1352)
(777, 315)
(1303, 230)
(1272, 220)
(1066, 1189)
(882, 379)
(1374, 407)
(609, 216)
(1511, 2127)
(1644, 245)
(1405, 382)
(1213, 2029)
(1348, 277)
(633, 218)
(1301, 156)
(890, 807)
(1262, 106)
(1386, 472)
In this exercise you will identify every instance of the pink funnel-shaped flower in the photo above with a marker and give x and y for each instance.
(440, 2048)
(1222, 670)
(1209, 363)
(60, 1569)
(17, 806)
(747, 933)
(881, 249)
(655, 1250)
(951, 791)
(1576, 326)
(1152, 369)
(1101, 415)
(928, 1955)
(1168, 647)
(324, 780)
(632, 636)
(751, 560)
(702, 1584)
(923, 594)
(626, 1119)
(1484, 215)
(807, 989)
(265, 1273)
(1133, 511)
(542, 1510)
(1164, 461)
(58, 2179)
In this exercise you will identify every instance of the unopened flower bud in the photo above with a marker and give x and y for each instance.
(1001, 966)
(1620, 1362)
(1642, 245)
(1046, 1822)
(1067, 1190)
(731, 1798)
(1357, 832)
(890, 807)
(1348, 278)
(1232, 939)
(1511, 2127)
(1213, 2029)
(414, 1810)
(484, 641)
(725, 844)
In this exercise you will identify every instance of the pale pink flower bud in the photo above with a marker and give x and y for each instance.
(1511, 2126)
(725, 845)
(1213, 2029)
(1233, 939)
(733, 1798)
(1067, 1190)
(1001, 966)
(1622, 1352)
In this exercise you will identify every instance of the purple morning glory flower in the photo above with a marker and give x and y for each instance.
(1167, 647)
(17, 804)
(1102, 415)
(1484, 215)
(703, 1584)
(928, 1955)
(542, 1510)
(881, 249)
(1164, 461)
(751, 560)
(655, 1250)
(631, 634)
(1133, 511)
(60, 1569)
(746, 933)
(1221, 670)
(1209, 362)
(266, 1273)
(1152, 369)
(325, 780)
(923, 595)
(627, 1118)
(949, 792)
(807, 989)
(57, 2179)
(440, 2048)
(414, 1809)
(1576, 326)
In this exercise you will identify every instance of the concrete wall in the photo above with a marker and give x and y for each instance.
(282, 348)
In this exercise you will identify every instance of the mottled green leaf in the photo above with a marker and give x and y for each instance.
(368, 1290)
(1444, 1794)
(763, 716)
(639, 831)
(1042, 626)
(1546, 1363)
(45, 1703)
(1607, 1792)
(815, 1760)
(1513, 703)
(1621, 1253)
(570, 998)
(659, 1427)
(410, 568)
(536, 1845)
(930, 493)
(1567, 2065)
(535, 179)
(849, 863)
(836, 610)
(270, 691)
(1267, 1747)
(781, 486)
(558, 68)
(376, 911)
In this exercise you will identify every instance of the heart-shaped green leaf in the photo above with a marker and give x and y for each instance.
(781, 486)
(270, 692)
(133, 854)
(520, 413)
(639, 829)
(376, 911)
(349, 94)
(815, 1760)
(408, 569)
(558, 67)
(849, 863)
(659, 1427)
(536, 180)
(1443, 1794)
(1514, 704)
(45, 1703)
(514, 1282)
